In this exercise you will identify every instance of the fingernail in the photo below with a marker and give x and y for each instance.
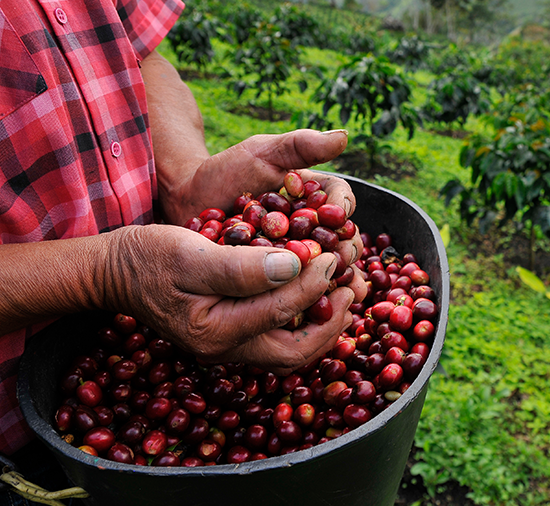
(347, 206)
(281, 266)
(331, 268)
(329, 132)
(355, 254)
(348, 323)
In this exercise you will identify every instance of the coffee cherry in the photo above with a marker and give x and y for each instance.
(100, 438)
(401, 318)
(124, 323)
(131, 433)
(89, 450)
(64, 418)
(121, 453)
(424, 309)
(331, 216)
(321, 311)
(423, 331)
(325, 237)
(294, 184)
(301, 250)
(166, 459)
(238, 455)
(208, 450)
(289, 431)
(89, 393)
(355, 415)
(390, 376)
(154, 442)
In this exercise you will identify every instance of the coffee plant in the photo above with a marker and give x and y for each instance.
(373, 92)
(510, 172)
(296, 26)
(454, 97)
(264, 62)
(241, 23)
(410, 52)
(525, 62)
(448, 58)
(190, 38)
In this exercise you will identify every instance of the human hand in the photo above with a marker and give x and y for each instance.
(224, 303)
(259, 164)
(256, 165)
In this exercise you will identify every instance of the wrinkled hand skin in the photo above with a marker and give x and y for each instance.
(256, 165)
(217, 301)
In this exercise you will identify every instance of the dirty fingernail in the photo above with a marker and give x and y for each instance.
(329, 132)
(355, 254)
(281, 266)
(330, 270)
(347, 206)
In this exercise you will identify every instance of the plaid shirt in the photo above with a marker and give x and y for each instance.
(75, 148)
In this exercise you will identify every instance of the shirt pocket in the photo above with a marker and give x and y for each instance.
(20, 79)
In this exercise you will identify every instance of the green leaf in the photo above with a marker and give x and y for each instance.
(445, 235)
(531, 279)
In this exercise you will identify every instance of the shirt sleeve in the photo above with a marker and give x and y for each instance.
(147, 22)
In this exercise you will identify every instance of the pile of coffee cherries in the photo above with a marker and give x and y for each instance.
(137, 399)
(296, 218)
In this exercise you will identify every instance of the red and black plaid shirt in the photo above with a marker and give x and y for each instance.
(75, 148)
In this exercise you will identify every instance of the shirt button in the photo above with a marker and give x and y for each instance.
(60, 16)
(116, 149)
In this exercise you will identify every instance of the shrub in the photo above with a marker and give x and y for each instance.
(410, 52)
(454, 97)
(264, 62)
(372, 91)
(510, 172)
(190, 38)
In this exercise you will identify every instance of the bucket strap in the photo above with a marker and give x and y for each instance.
(37, 494)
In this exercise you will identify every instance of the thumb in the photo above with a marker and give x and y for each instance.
(298, 149)
(239, 271)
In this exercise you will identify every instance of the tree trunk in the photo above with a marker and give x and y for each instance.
(416, 15)
(450, 21)
(429, 19)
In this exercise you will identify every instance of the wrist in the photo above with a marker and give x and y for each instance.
(50, 279)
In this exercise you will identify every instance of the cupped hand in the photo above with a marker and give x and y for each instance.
(224, 303)
(256, 165)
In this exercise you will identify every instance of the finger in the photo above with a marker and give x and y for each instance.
(204, 267)
(358, 285)
(259, 164)
(338, 190)
(238, 320)
(352, 249)
(282, 351)
(298, 149)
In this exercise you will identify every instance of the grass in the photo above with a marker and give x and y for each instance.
(486, 422)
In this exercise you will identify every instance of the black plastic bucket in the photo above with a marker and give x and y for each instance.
(363, 467)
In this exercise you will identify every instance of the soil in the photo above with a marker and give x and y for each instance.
(357, 163)
(262, 113)
(413, 493)
(514, 246)
(453, 134)
(189, 74)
